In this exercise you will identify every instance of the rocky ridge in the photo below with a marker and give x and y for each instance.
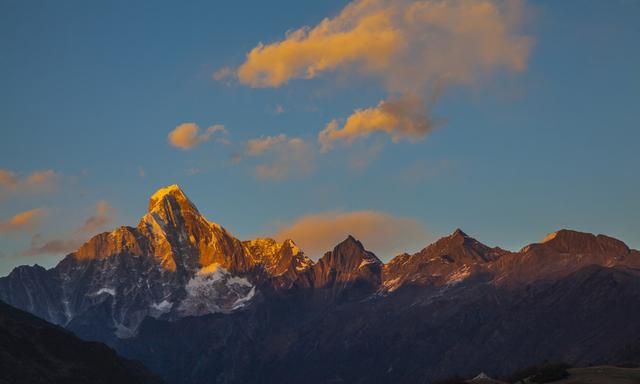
(176, 263)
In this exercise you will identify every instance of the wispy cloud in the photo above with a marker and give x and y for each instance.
(385, 234)
(224, 73)
(186, 136)
(258, 146)
(51, 247)
(408, 44)
(416, 49)
(102, 216)
(280, 156)
(41, 181)
(402, 118)
(23, 221)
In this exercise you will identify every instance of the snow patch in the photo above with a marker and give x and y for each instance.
(164, 306)
(392, 285)
(481, 377)
(366, 262)
(459, 275)
(109, 291)
(241, 281)
(162, 192)
(213, 289)
(241, 301)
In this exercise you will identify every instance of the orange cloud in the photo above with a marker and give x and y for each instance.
(256, 147)
(23, 221)
(359, 35)
(408, 44)
(283, 156)
(402, 118)
(412, 47)
(186, 136)
(384, 234)
(36, 182)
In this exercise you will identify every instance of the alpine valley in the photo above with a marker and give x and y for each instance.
(195, 304)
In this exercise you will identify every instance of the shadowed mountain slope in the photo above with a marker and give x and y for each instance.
(34, 351)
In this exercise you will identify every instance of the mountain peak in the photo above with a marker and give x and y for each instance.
(347, 264)
(458, 233)
(350, 240)
(567, 236)
(161, 194)
(574, 241)
(352, 250)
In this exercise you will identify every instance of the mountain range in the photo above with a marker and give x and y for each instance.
(195, 304)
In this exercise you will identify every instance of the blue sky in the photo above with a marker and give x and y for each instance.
(90, 90)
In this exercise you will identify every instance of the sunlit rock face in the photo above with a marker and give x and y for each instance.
(457, 307)
(173, 263)
(283, 262)
(178, 288)
(184, 240)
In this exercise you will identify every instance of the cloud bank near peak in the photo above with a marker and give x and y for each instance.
(23, 221)
(384, 234)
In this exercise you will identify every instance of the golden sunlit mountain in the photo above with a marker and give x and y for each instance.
(267, 192)
(176, 276)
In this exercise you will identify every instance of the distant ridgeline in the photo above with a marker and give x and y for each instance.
(196, 304)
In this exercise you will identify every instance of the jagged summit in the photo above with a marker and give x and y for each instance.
(173, 263)
(176, 256)
(347, 264)
(170, 190)
(351, 241)
(458, 233)
(351, 250)
(171, 197)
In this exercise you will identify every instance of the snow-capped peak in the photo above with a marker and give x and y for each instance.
(161, 194)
